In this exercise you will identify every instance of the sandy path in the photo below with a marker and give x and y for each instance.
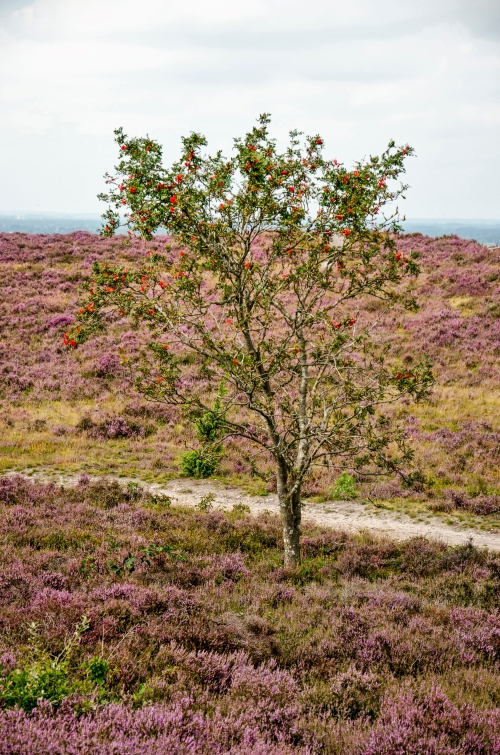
(343, 515)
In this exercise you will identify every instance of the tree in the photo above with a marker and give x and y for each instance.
(275, 251)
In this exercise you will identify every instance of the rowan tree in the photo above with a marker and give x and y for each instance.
(275, 253)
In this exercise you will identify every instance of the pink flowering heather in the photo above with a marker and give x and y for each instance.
(457, 326)
(131, 628)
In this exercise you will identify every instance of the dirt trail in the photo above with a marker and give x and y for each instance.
(343, 515)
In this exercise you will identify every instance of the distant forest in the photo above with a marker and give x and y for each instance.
(483, 231)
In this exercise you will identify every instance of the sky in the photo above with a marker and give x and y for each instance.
(423, 72)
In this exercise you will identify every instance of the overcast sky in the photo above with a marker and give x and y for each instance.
(361, 72)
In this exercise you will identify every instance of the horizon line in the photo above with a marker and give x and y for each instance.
(94, 215)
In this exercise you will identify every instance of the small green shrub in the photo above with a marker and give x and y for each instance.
(345, 487)
(240, 508)
(208, 427)
(122, 566)
(45, 679)
(199, 464)
(134, 491)
(204, 461)
(97, 670)
(42, 677)
(206, 502)
(125, 566)
(159, 500)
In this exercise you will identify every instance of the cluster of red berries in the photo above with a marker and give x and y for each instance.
(349, 323)
(69, 341)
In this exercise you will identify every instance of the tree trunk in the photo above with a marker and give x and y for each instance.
(290, 517)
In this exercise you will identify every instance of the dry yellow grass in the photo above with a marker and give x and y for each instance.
(455, 403)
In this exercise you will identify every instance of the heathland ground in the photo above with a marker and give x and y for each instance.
(68, 413)
(139, 618)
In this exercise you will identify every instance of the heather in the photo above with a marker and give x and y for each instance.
(79, 410)
(131, 625)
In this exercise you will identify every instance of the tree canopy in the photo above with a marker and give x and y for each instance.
(272, 255)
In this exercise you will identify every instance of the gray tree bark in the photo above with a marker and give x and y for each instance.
(291, 513)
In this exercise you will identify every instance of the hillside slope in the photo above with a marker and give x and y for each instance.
(133, 623)
(68, 412)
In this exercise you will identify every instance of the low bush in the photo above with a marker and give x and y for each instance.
(198, 464)
(114, 427)
(480, 504)
(345, 487)
(106, 494)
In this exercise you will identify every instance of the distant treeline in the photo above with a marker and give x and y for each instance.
(483, 231)
(39, 223)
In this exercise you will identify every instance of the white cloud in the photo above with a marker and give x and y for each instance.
(358, 72)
